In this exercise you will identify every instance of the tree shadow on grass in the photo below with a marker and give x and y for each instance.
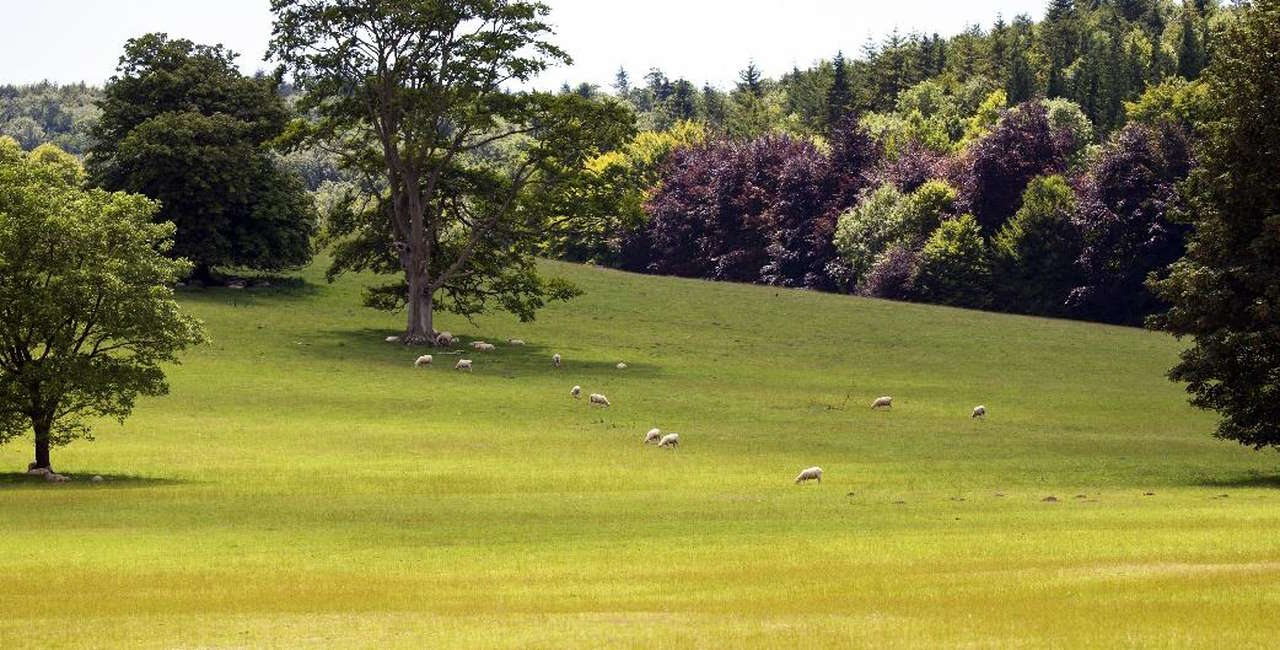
(22, 480)
(1251, 479)
(279, 288)
(531, 358)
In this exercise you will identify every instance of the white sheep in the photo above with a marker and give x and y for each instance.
(597, 399)
(475, 345)
(555, 359)
(654, 435)
(515, 342)
(485, 347)
(392, 339)
(885, 402)
(424, 360)
(669, 441)
(444, 339)
(622, 366)
(576, 392)
(811, 474)
(979, 412)
(463, 364)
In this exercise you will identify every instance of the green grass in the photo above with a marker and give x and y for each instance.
(303, 485)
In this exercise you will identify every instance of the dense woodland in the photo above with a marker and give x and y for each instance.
(1028, 166)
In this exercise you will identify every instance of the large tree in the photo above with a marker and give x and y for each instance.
(462, 170)
(87, 315)
(181, 125)
(1225, 293)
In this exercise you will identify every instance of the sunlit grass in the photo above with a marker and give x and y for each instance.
(305, 486)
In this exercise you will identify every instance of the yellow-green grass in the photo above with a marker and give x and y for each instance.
(304, 485)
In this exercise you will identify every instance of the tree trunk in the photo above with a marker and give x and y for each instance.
(419, 329)
(42, 444)
(202, 274)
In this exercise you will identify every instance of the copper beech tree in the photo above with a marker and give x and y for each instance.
(464, 173)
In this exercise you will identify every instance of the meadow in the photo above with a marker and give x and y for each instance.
(304, 486)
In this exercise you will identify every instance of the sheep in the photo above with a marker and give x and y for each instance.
(979, 412)
(622, 366)
(597, 399)
(576, 392)
(885, 402)
(424, 360)
(444, 339)
(654, 435)
(475, 345)
(463, 364)
(555, 359)
(485, 347)
(392, 339)
(515, 342)
(669, 441)
(811, 474)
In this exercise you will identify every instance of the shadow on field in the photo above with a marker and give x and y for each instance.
(371, 344)
(79, 480)
(279, 288)
(1252, 479)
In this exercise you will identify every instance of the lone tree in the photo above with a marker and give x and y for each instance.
(464, 175)
(1225, 293)
(86, 313)
(181, 125)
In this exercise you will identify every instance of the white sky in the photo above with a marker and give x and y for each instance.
(702, 40)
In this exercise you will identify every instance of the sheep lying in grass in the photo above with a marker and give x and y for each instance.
(424, 360)
(811, 474)
(653, 436)
(576, 392)
(515, 342)
(463, 364)
(597, 399)
(444, 339)
(392, 339)
(669, 441)
(555, 359)
(622, 366)
(885, 402)
(485, 347)
(979, 412)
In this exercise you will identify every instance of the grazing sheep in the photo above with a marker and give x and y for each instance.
(463, 364)
(392, 339)
(576, 391)
(979, 412)
(444, 339)
(669, 441)
(811, 474)
(622, 366)
(654, 435)
(597, 399)
(515, 342)
(885, 402)
(424, 360)
(555, 358)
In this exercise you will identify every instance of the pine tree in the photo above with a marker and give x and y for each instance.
(751, 80)
(622, 83)
(839, 97)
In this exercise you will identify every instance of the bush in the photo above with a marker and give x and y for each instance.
(1034, 254)
(953, 265)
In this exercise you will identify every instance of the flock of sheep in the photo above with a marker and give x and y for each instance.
(667, 441)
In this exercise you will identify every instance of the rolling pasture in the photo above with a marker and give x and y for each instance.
(304, 485)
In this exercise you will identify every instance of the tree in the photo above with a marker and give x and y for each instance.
(840, 96)
(954, 269)
(1225, 293)
(1128, 202)
(1034, 254)
(181, 125)
(87, 316)
(751, 80)
(414, 97)
(622, 83)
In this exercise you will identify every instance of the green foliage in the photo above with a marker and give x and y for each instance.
(869, 229)
(45, 112)
(986, 117)
(1065, 116)
(1034, 253)
(1176, 101)
(87, 315)
(954, 269)
(181, 125)
(1225, 293)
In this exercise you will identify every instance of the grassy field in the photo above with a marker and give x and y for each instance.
(305, 486)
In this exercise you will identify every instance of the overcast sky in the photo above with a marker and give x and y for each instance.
(702, 40)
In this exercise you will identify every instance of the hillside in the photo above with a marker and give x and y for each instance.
(304, 482)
